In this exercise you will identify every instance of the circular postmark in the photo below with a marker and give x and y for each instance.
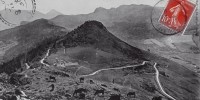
(12, 12)
(171, 19)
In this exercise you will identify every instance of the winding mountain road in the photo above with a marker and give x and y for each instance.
(113, 69)
(98, 71)
(27, 66)
(159, 84)
(144, 62)
(42, 60)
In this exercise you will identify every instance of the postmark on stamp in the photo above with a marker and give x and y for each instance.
(12, 12)
(177, 14)
(175, 17)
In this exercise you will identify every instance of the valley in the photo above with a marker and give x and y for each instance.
(104, 55)
(81, 66)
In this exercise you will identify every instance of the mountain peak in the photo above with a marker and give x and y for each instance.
(41, 22)
(99, 9)
(95, 34)
(93, 23)
(95, 29)
(53, 13)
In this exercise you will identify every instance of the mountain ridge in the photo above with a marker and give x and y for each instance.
(121, 20)
(25, 17)
(38, 34)
(52, 13)
(92, 47)
(100, 38)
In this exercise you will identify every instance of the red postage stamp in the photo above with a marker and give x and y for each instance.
(177, 14)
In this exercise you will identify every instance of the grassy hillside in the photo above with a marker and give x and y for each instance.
(80, 44)
(30, 38)
(92, 47)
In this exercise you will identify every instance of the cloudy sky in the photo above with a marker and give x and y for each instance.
(84, 6)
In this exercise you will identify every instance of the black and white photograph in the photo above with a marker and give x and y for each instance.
(99, 50)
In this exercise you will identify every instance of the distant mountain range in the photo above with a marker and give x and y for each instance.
(25, 17)
(126, 21)
(51, 14)
(133, 21)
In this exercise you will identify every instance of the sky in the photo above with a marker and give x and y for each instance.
(73, 7)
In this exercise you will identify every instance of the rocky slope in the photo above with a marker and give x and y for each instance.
(91, 47)
(28, 38)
